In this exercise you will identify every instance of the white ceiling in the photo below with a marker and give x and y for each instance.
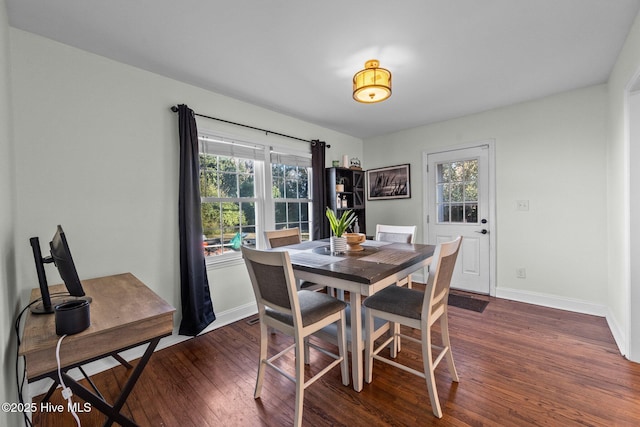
(449, 58)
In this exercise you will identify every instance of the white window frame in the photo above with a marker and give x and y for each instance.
(265, 203)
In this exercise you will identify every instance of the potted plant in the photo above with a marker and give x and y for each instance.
(340, 185)
(338, 227)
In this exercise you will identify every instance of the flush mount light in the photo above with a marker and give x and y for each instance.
(373, 84)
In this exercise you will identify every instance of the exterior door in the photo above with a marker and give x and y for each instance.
(459, 204)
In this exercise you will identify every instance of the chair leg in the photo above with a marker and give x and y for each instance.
(297, 420)
(444, 326)
(368, 346)
(394, 345)
(427, 360)
(342, 348)
(263, 358)
(307, 355)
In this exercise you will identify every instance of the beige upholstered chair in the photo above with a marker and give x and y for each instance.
(400, 234)
(284, 237)
(417, 310)
(296, 313)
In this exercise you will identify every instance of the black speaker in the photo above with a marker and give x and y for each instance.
(72, 317)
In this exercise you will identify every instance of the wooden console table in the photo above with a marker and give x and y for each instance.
(124, 314)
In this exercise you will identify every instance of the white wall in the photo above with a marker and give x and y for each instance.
(97, 151)
(8, 286)
(551, 152)
(634, 209)
(620, 292)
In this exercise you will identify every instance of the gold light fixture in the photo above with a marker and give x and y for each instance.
(373, 84)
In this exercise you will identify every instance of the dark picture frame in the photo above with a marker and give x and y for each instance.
(391, 182)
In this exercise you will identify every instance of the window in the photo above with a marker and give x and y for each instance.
(290, 177)
(237, 203)
(457, 192)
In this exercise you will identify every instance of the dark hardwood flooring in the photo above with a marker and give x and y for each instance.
(519, 365)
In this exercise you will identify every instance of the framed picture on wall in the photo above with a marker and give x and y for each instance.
(392, 182)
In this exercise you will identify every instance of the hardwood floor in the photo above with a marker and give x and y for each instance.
(519, 365)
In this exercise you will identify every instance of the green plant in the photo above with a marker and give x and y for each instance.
(339, 226)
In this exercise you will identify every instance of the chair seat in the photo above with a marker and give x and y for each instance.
(314, 306)
(397, 300)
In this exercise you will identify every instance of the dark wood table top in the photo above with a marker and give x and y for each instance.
(376, 261)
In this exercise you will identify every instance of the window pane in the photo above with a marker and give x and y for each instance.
(471, 192)
(445, 214)
(471, 170)
(471, 213)
(226, 164)
(208, 184)
(304, 231)
(442, 175)
(457, 171)
(249, 214)
(304, 211)
(457, 191)
(228, 185)
(281, 212)
(278, 188)
(277, 171)
(210, 219)
(457, 213)
(246, 185)
(303, 183)
(293, 210)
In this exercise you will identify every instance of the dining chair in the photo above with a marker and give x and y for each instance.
(419, 310)
(398, 234)
(298, 313)
(289, 236)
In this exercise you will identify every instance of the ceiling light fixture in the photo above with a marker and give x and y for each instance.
(373, 84)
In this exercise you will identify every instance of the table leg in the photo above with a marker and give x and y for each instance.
(356, 341)
(113, 412)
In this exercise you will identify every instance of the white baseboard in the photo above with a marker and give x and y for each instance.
(222, 319)
(553, 301)
(618, 336)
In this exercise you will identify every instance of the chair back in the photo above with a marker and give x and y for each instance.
(284, 237)
(396, 233)
(439, 283)
(273, 281)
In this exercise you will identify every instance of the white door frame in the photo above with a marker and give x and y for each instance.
(492, 200)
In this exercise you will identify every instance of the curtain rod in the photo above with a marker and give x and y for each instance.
(266, 131)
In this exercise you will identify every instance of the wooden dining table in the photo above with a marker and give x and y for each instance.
(361, 273)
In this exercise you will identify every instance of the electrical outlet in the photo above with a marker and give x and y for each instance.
(522, 205)
(521, 273)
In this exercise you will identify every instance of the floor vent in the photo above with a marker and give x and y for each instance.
(253, 320)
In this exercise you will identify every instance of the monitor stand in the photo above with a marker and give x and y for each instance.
(39, 307)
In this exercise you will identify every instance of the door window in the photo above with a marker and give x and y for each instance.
(457, 192)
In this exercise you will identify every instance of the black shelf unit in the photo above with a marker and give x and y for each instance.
(354, 192)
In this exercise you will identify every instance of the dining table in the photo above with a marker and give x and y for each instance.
(376, 265)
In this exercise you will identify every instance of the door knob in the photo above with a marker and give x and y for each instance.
(483, 231)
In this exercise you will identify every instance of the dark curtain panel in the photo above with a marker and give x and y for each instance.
(197, 309)
(320, 225)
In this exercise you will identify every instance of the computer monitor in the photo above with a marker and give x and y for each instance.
(61, 257)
